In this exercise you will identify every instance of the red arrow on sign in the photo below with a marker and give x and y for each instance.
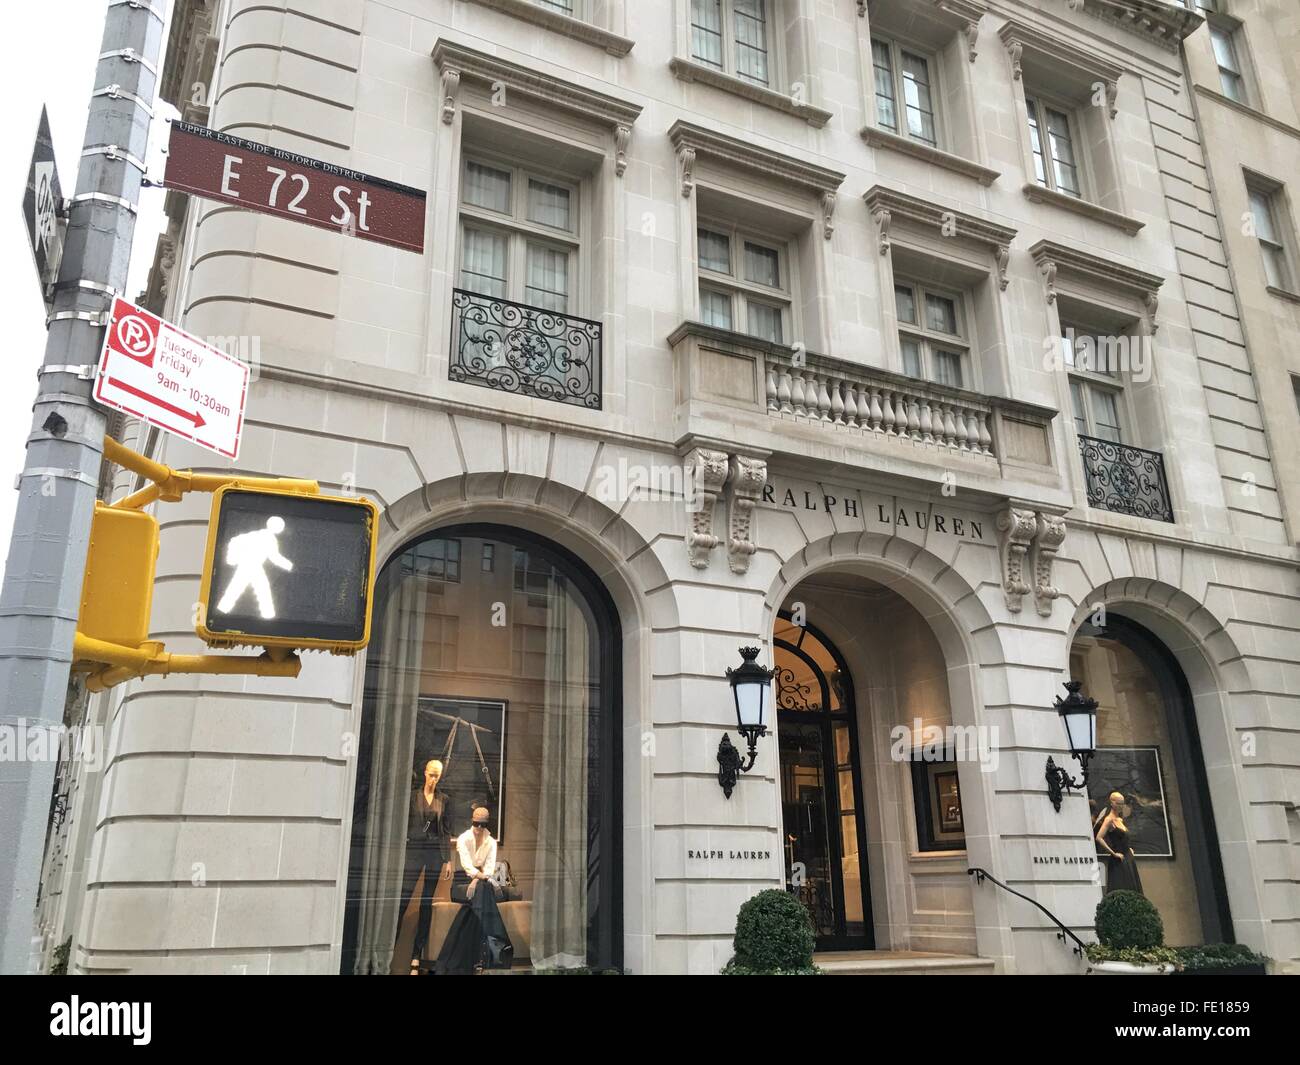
(189, 416)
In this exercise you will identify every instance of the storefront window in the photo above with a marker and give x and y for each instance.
(1150, 815)
(485, 821)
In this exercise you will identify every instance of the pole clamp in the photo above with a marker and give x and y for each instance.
(86, 371)
(139, 5)
(96, 318)
(88, 286)
(56, 474)
(116, 92)
(101, 197)
(129, 55)
(114, 153)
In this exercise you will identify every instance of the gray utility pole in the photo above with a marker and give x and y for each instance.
(59, 483)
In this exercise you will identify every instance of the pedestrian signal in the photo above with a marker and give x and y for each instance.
(286, 569)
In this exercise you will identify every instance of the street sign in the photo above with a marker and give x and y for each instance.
(41, 203)
(150, 369)
(270, 180)
(286, 569)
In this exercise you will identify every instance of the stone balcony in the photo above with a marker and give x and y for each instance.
(749, 393)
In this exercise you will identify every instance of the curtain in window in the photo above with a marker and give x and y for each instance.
(559, 913)
(483, 262)
(706, 31)
(715, 251)
(715, 308)
(400, 653)
(762, 265)
(548, 205)
(548, 278)
(884, 71)
(487, 187)
(751, 40)
(765, 321)
(916, 95)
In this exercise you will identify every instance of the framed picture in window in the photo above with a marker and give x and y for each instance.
(936, 794)
(468, 736)
(1136, 773)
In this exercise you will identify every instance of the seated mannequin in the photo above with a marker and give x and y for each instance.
(477, 936)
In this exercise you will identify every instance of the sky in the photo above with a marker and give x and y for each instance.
(61, 76)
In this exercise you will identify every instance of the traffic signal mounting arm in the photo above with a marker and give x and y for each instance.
(108, 662)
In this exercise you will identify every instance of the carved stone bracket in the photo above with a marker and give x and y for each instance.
(1016, 531)
(748, 476)
(708, 471)
(1048, 269)
(1112, 94)
(1030, 539)
(828, 214)
(1003, 258)
(1015, 50)
(686, 158)
(450, 90)
(971, 31)
(622, 139)
(1050, 534)
(882, 218)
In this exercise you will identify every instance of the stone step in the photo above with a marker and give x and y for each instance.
(900, 963)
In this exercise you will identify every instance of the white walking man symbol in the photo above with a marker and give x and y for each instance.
(249, 553)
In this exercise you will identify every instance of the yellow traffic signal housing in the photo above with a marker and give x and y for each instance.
(117, 589)
(288, 569)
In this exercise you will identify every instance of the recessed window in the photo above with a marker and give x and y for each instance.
(1051, 138)
(931, 334)
(1096, 382)
(1264, 214)
(1231, 77)
(732, 36)
(744, 284)
(904, 91)
(518, 233)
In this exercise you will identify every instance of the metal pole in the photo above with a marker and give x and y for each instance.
(47, 556)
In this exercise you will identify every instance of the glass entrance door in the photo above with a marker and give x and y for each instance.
(821, 791)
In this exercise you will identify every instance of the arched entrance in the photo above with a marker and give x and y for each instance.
(821, 786)
(1149, 757)
(494, 673)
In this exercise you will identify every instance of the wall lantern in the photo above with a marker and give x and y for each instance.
(751, 687)
(1079, 713)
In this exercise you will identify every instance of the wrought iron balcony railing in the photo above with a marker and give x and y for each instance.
(1125, 479)
(527, 351)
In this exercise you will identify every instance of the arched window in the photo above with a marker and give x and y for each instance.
(491, 682)
(1149, 758)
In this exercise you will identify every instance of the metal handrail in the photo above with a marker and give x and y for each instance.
(1080, 946)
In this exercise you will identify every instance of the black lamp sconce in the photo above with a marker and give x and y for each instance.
(751, 688)
(1079, 713)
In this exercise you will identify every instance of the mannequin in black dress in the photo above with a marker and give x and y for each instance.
(428, 839)
(1113, 838)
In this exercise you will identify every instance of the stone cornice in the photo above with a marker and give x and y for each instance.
(1020, 37)
(883, 138)
(1054, 259)
(1036, 193)
(549, 18)
(886, 205)
(688, 70)
(695, 142)
(458, 62)
(1166, 24)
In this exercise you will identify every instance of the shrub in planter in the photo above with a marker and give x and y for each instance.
(1220, 959)
(1127, 919)
(774, 936)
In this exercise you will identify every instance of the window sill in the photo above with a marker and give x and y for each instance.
(1282, 294)
(883, 138)
(687, 70)
(1038, 194)
(567, 25)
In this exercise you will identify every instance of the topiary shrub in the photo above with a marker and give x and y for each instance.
(1127, 920)
(774, 935)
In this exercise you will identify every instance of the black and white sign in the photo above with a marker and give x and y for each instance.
(41, 202)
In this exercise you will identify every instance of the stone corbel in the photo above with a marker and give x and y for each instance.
(748, 476)
(622, 139)
(708, 470)
(862, 8)
(1049, 535)
(1014, 50)
(1152, 302)
(1016, 531)
(828, 214)
(882, 219)
(1003, 257)
(1048, 269)
(686, 157)
(1112, 95)
(971, 31)
(450, 90)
